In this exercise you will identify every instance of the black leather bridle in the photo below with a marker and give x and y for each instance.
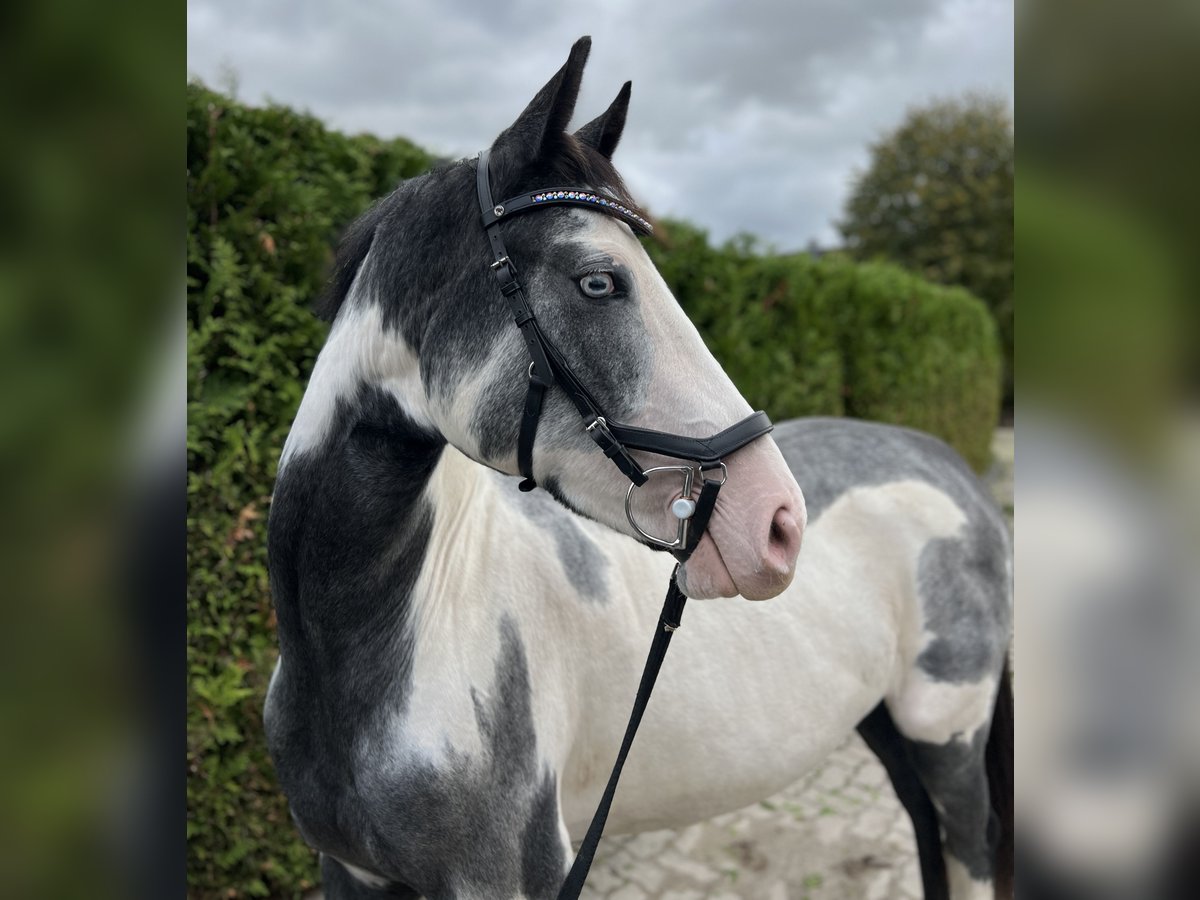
(705, 455)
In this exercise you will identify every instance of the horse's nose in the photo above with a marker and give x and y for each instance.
(783, 542)
(774, 547)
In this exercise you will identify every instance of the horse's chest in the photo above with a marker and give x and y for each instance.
(450, 783)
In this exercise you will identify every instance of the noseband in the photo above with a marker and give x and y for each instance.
(549, 367)
(704, 455)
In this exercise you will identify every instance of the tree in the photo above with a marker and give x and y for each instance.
(937, 198)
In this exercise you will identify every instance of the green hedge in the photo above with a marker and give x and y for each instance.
(268, 191)
(803, 336)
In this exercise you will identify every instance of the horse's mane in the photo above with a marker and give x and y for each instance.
(353, 249)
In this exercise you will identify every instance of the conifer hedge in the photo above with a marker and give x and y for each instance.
(268, 191)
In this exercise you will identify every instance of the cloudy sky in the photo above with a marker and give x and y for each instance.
(746, 116)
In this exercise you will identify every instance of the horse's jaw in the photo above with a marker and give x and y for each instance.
(705, 576)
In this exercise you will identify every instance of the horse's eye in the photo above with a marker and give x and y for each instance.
(596, 284)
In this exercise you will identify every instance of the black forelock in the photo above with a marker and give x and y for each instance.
(575, 164)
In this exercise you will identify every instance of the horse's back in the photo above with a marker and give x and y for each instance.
(832, 456)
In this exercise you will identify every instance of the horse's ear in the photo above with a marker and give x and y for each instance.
(603, 133)
(539, 130)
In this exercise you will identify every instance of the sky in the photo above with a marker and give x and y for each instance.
(746, 116)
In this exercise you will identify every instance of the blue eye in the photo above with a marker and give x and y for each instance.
(596, 284)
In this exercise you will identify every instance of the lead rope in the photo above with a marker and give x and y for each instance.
(668, 622)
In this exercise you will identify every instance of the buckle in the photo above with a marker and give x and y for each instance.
(597, 429)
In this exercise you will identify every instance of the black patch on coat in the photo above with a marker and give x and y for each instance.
(958, 583)
(955, 776)
(348, 531)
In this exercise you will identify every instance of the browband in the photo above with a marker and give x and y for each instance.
(565, 197)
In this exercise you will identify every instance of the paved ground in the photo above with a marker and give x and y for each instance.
(837, 834)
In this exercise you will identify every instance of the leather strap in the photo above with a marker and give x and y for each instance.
(668, 621)
(534, 395)
(703, 450)
(699, 521)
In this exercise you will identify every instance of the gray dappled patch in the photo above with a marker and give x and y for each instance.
(581, 558)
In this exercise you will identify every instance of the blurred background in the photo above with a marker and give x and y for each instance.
(835, 182)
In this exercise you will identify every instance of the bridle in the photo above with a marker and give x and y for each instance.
(549, 367)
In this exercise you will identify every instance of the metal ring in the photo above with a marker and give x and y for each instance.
(681, 533)
(721, 466)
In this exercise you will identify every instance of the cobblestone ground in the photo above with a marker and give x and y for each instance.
(837, 834)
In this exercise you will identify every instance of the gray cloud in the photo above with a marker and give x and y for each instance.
(746, 116)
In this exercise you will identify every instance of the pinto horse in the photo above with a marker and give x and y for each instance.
(458, 656)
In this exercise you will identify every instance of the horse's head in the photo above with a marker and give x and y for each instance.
(417, 266)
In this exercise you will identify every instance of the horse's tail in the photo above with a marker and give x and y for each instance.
(1000, 782)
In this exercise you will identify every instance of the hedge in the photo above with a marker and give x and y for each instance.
(803, 336)
(268, 191)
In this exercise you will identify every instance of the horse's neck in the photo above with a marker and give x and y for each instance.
(404, 573)
(350, 523)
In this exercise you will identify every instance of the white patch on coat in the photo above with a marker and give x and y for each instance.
(754, 695)
(359, 350)
(469, 582)
(370, 879)
(937, 712)
(962, 885)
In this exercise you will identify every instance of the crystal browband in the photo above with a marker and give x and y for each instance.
(587, 197)
(566, 197)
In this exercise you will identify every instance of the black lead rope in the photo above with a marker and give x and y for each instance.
(668, 622)
(548, 367)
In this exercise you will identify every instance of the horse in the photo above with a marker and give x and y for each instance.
(457, 655)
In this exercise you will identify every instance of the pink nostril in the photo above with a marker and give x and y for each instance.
(784, 544)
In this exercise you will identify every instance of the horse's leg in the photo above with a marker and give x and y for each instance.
(880, 734)
(338, 884)
(947, 730)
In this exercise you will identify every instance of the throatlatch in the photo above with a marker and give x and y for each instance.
(549, 367)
